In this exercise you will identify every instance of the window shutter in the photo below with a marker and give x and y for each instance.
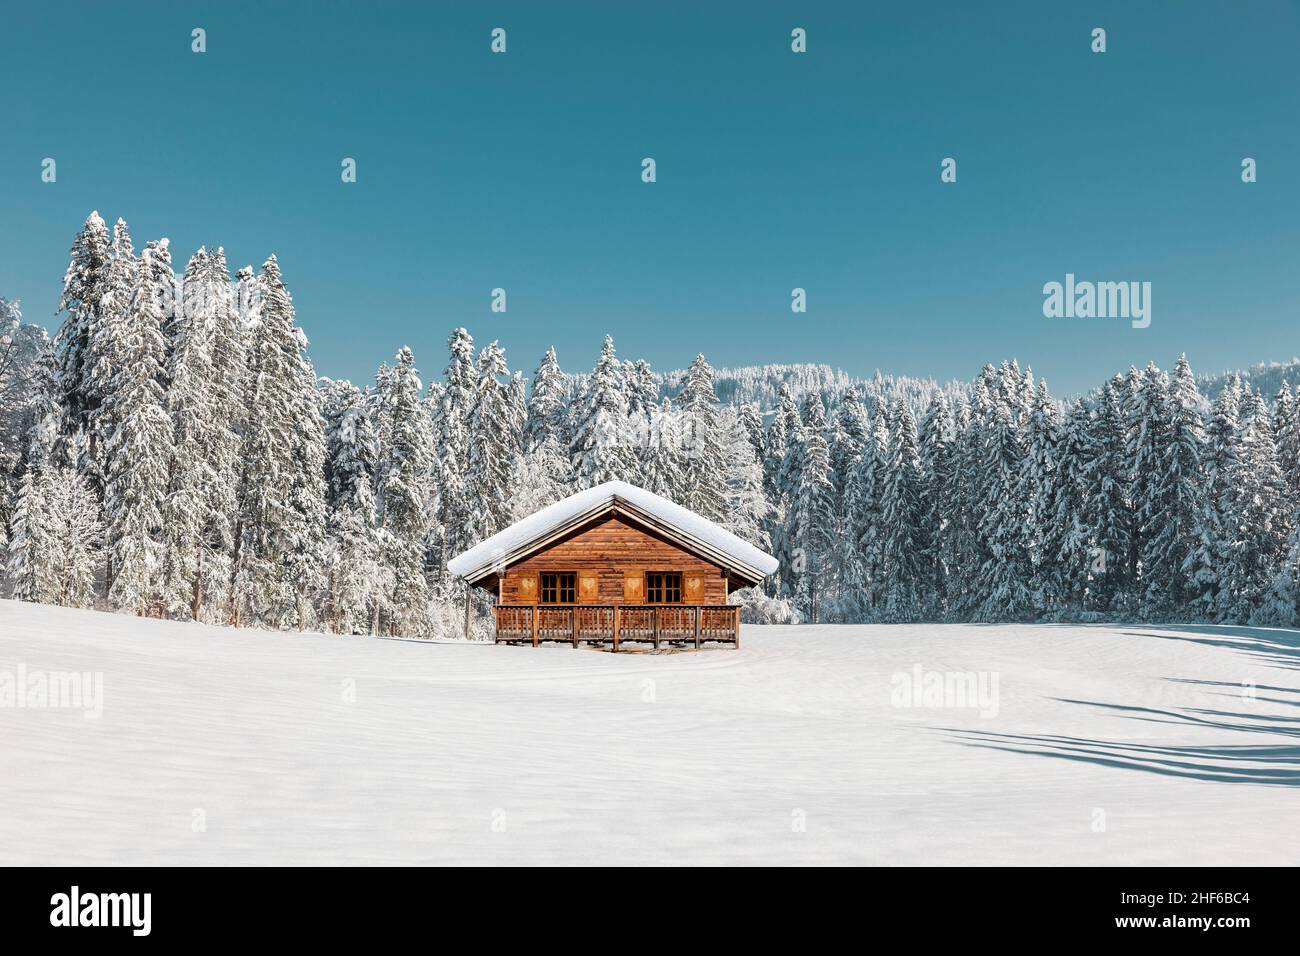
(588, 587)
(633, 587)
(526, 587)
(694, 587)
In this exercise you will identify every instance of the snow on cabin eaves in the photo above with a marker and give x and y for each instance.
(686, 524)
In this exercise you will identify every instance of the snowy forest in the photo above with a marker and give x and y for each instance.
(171, 452)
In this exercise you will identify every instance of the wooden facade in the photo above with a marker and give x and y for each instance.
(619, 571)
(614, 565)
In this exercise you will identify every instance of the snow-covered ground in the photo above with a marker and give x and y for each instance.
(1124, 744)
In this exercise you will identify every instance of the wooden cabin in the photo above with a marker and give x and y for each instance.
(614, 564)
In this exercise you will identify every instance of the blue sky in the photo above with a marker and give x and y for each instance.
(775, 170)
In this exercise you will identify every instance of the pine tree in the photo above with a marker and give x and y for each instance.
(282, 495)
(1176, 494)
(938, 447)
(1207, 563)
(546, 403)
(84, 286)
(903, 543)
(812, 510)
(406, 464)
(704, 477)
(205, 404)
(599, 447)
(1004, 581)
(138, 449)
(358, 579)
(662, 467)
(455, 405)
(33, 554)
(1258, 513)
(745, 507)
(494, 447)
(1106, 509)
(56, 550)
(1068, 572)
(865, 574)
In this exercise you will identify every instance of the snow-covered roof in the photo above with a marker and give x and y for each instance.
(694, 532)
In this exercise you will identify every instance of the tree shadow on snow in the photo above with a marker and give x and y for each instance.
(1275, 764)
(1274, 647)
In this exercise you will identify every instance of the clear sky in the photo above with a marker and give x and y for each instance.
(775, 170)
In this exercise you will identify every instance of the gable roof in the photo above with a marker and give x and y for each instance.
(693, 532)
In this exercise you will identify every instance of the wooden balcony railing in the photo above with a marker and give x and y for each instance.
(616, 624)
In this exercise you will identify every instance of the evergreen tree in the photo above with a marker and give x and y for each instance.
(546, 403)
(358, 580)
(1004, 582)
(1106, 509)
(812, 510)
(1258, 513)
(84, 286)
(704, 476)
(205, 404)
(406, 464)
(1175, 497)
(494, 447)
(938, 453)
(903, 544)
(599, 447)
(1206, 565)
(745, 507)
(138, 449)
(282, 495)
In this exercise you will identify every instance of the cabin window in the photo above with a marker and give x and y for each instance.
(558, 588)
(663, 587)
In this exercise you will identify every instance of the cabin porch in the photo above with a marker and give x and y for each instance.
(617, 624)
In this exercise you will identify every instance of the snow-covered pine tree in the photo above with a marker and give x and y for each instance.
(107, 351)
(138, 449)
(358, 579)
(280, 566)
(599, 447)
(494, 446)
(1175, 497)
(1067, 573)
(938, 450)
(1148, 425)
(1207, 563)
(1286, 431)
(1107, 510)
(812, 509)
(1259, 515)
(407, 461)
(864, 578)
(745, 507)
(903, 539)
(661, 469)
(546, 403)
(166, 289)
(33, 556)
(787, 435)
(1042, 536)
(751, 417)
(204, 401)
(55, 552)
(455, 497)
(1005, 581)
(704, 475)
(84, 286)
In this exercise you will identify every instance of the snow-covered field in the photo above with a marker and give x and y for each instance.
(1124, 745)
